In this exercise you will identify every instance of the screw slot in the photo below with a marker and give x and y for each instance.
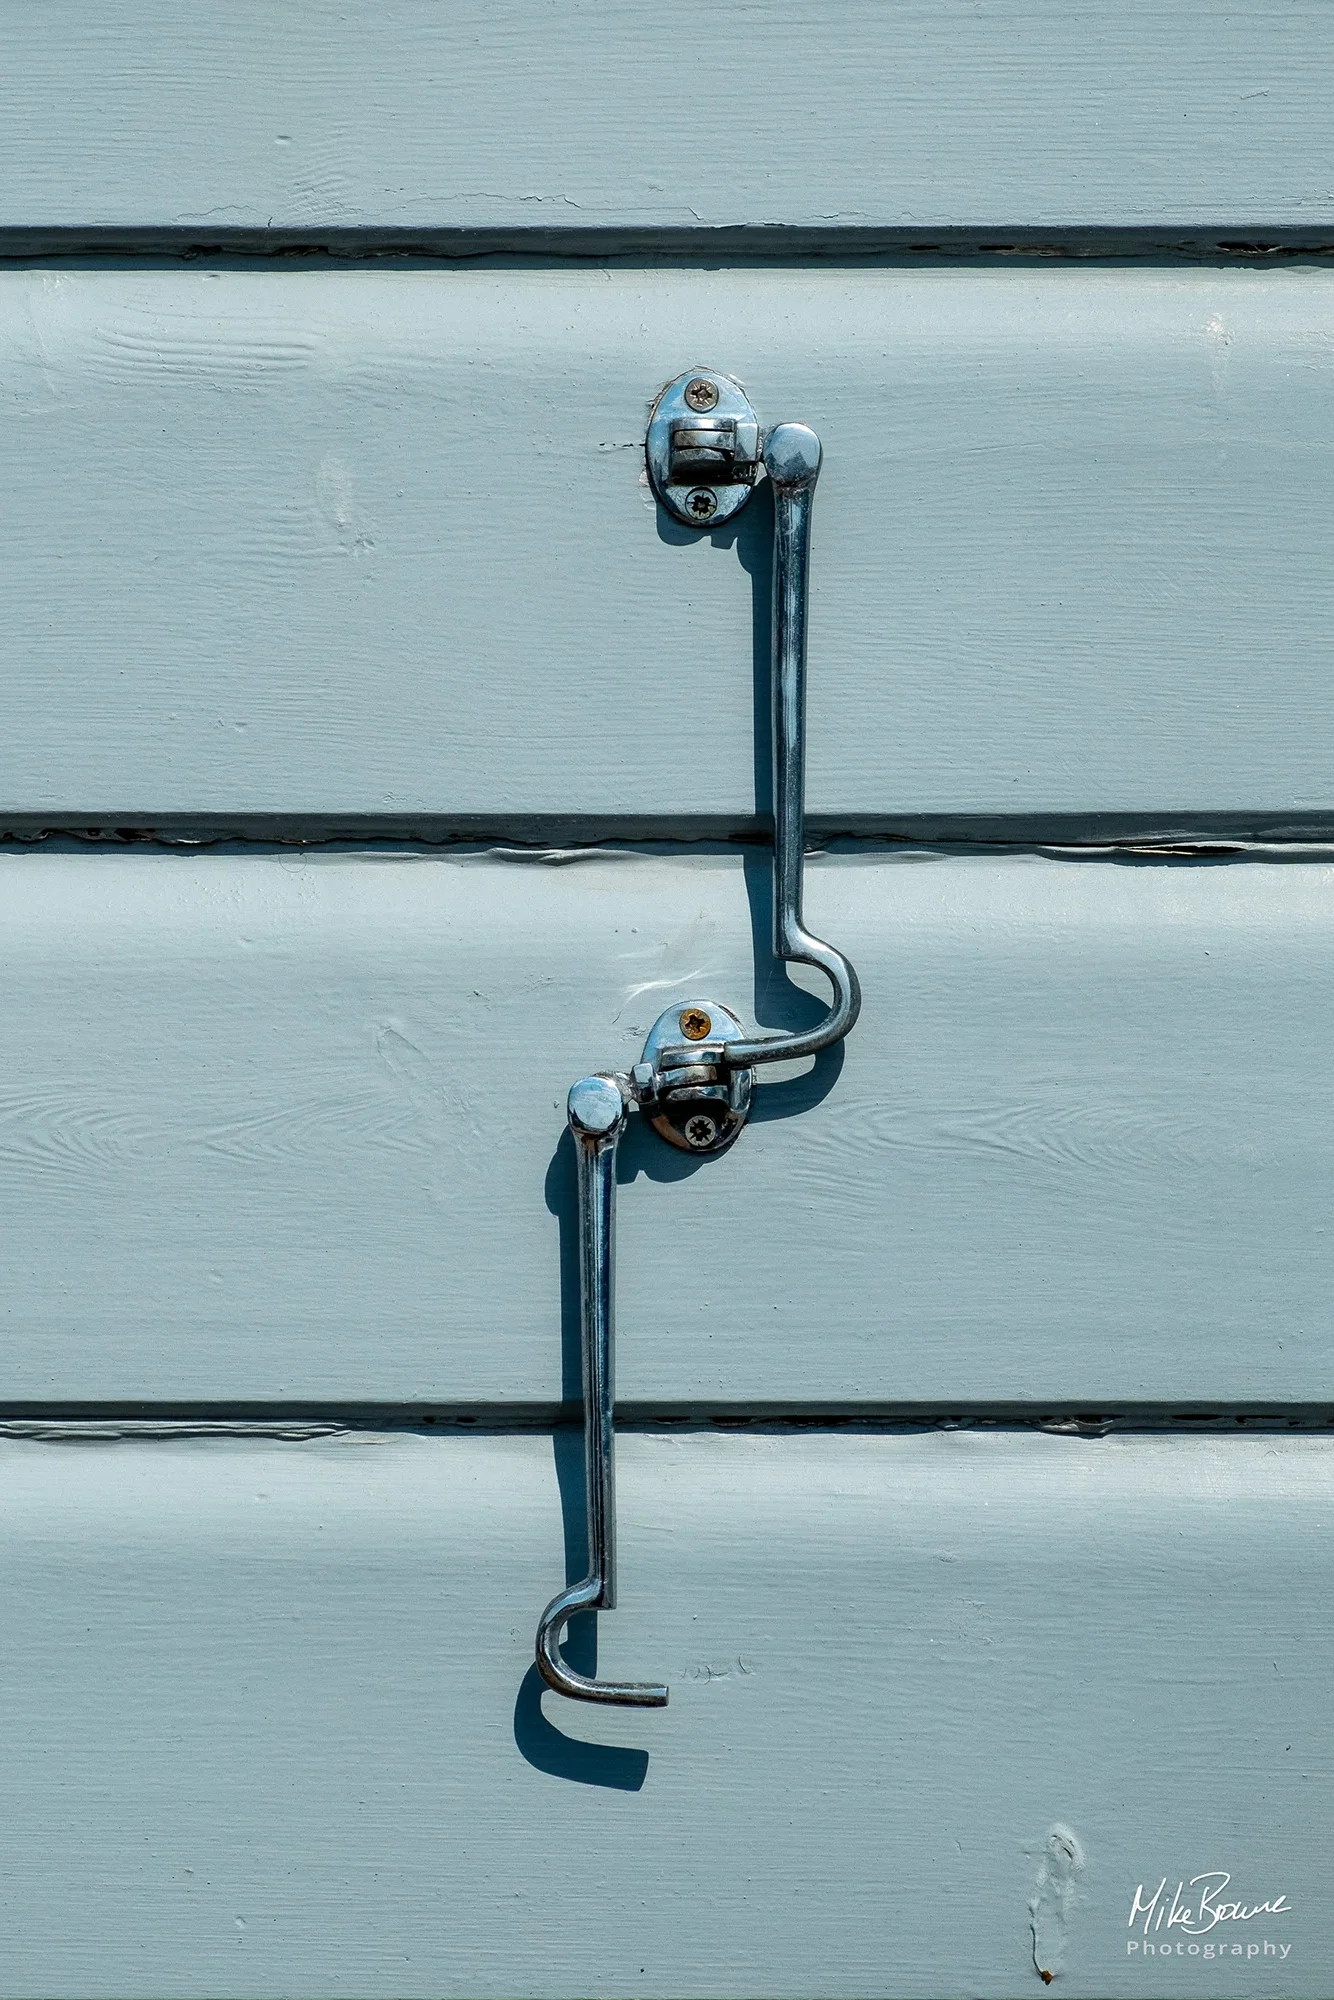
(701, 394)
(695, 1024)
(700, 1131)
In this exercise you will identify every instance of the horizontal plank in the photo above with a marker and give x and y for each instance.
(271, 1708)
(471, 116)
(350, 542)
(293, 1127)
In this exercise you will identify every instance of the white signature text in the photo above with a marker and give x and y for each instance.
(1203, 1909)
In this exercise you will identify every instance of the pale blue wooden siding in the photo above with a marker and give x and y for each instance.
(292, 1126)
(828, 114)
(272, 1728)
(367, 542)
(375, 761)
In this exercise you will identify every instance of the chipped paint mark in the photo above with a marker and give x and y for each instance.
(706, 1670)
(29, 375)
(1220, 338)
(333, 489)
(637, 992)
(1053, 1900)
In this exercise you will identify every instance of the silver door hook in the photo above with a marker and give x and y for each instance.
(792, 458)
(695, 1080)
(597, 1119)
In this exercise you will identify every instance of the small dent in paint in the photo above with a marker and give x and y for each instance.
(1052, 1903)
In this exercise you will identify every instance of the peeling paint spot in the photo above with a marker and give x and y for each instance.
(1053, 1900)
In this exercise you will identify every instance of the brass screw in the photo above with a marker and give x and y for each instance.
(695, 1024)
(701, 394)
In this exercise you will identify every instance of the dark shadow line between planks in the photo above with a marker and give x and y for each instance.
(555, 838)
(296, 1420)
(752, 243)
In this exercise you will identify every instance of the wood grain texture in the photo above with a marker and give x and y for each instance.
(377, 542)
(1010, 112)
(272, 1726)
(293, 1127)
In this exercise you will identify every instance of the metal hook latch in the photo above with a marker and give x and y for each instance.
(695, 1080)
(597, 1112)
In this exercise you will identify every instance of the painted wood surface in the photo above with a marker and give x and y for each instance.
(369, 541)
(390, 114)
(272, 1726)
(292, 1126)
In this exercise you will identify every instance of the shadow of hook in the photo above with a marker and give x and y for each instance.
(548, 1749)
(537, 1739)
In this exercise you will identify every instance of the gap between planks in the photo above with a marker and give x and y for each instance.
(554, 840)
(300, 1422)
(756, 243)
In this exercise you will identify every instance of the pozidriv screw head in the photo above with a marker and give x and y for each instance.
(701, 394)
(695, 1024)
(700, 1131)
(703, 505)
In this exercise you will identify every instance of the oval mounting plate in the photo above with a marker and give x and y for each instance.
(703, 448)
(705, 1110)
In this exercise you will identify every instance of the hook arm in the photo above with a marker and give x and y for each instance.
(597, 1115)
(792, 459)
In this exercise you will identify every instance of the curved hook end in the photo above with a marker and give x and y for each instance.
(563, 1679)
(799, 944)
